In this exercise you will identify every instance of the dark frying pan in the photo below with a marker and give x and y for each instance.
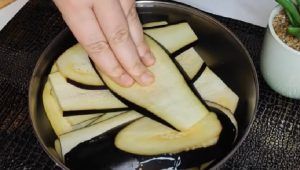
(220, 49)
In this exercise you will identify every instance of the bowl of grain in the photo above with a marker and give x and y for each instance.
(280, 56)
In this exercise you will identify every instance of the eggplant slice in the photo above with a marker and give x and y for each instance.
(57, 147)
(85, 123)
(72, 98)
(214, 90)
(190, 61)
(72, 139)
(74, 120)
(54, 113)
(54, 68)
(106, 116)
(89, 154)
(227, 113)
(155, 24)
(75, 65)
(173, 37)
(169, 97)
(148, 137)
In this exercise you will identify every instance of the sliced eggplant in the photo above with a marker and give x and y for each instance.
(54, 68)
(213, 89)
(72, 139)
(155, 24)
(106, 116)
(148, 137)
(169, 97)
(54, 113)
(190, 61)
(85, 123)
(173, 37)
(84, 86)
(75, 65)
(227, 112)
(57, 147)
(82, 118)
(72, 98)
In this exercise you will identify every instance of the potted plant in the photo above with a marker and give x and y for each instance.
(280, 57)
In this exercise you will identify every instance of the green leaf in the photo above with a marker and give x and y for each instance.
(295, 31)
(298, 5)
(291, 9)
(291, 19)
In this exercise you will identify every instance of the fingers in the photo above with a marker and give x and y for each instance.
(113, 45)
(84, 25)
(115, 27)
(104, 58)
(136, 31)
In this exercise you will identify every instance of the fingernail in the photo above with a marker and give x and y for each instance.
(126, 80)
(149, 59)
(147, 78)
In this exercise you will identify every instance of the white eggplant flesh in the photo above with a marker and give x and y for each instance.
(213, 89)
(169, 97)
(190, 61)
(148, 137)
(106, 116)
(54, 113)
(74, 120)
(57, 148)
(72, 98)
(70, 140)
(54, 68)
(75, 65)
(59, 123)
(173, 37)
(85, 123)
(155, 24)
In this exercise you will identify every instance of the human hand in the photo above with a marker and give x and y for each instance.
(111, 33)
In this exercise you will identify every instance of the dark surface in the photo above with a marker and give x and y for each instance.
(273, 142)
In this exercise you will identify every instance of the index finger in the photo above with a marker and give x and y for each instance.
(84, 25)
(115, 27)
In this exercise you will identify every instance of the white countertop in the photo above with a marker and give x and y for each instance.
(256, 12)
(252, 11)
(8, 12)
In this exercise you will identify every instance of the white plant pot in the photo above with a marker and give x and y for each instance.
(280, 64)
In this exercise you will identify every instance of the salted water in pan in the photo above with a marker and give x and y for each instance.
(101, 153)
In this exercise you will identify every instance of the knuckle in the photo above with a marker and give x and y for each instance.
(143, 49)
(136, 69)
(98, 47)
(116, 71)
(119, 36)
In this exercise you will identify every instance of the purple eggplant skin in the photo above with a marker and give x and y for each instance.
(101, 153)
